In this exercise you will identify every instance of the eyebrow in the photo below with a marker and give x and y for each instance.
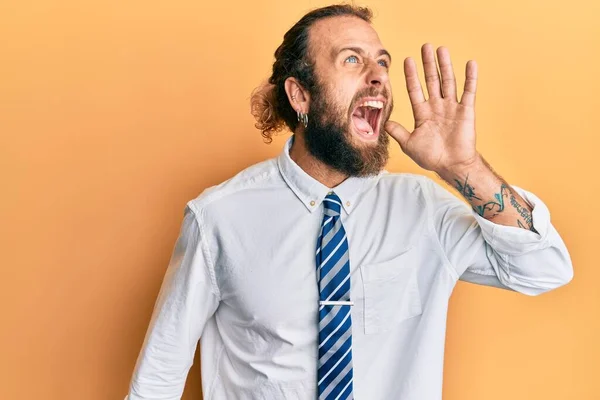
(382, 52)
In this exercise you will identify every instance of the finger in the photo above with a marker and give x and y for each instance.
(468, 97)
(398, 132)
(413, 84)
(448, 78)
(432, 77)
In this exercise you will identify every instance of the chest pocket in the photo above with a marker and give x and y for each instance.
(391, 291)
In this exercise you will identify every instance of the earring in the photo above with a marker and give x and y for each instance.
(302, 118)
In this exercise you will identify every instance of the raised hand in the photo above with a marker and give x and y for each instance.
(444, 134)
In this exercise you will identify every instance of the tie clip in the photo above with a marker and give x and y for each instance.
(335, 303)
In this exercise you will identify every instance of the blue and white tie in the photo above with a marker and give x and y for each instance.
(334, 375)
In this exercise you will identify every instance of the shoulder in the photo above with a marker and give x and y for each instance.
(256, 177)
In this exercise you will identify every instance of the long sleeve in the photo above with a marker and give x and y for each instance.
(187, 299)
(490, 254)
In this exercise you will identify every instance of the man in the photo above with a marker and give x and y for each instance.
(318, 274)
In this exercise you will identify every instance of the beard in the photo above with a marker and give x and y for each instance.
(328, 135)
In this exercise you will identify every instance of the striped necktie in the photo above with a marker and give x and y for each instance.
(334, 375)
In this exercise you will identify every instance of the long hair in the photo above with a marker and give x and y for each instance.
(269, 103)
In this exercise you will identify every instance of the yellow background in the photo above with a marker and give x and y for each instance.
(113, 114)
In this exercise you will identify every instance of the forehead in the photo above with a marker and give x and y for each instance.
(332, 33)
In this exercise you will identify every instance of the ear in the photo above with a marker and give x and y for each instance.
(297, 95)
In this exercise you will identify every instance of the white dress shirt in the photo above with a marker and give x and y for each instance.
(242, 280)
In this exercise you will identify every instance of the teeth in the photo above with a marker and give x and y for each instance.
(372, 104)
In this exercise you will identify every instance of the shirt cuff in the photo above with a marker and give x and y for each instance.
(512, 239)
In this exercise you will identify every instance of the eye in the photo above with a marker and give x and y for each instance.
(383, 63)
(352, 59)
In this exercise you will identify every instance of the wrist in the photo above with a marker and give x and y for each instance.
(461, 170)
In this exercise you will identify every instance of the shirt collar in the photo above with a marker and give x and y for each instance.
(311, 192)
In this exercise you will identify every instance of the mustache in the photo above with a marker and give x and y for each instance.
(371, 92)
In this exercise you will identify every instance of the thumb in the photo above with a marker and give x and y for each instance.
(398, 132)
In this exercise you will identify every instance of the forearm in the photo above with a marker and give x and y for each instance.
(489, 194)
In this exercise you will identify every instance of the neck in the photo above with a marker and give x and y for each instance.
(315, 168)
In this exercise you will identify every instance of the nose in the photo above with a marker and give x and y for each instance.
(377, 75)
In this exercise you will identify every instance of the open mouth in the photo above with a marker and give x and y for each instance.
(366, 118)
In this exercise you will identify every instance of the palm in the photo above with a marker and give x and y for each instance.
(444, 133)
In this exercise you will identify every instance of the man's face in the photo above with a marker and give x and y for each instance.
(352, 99)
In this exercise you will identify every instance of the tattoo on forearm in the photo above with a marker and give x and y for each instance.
(496, 205)
(498, 202)
(524, 213)
(466, 190)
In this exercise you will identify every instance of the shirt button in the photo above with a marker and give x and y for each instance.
(312, 203)
(348, 203)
